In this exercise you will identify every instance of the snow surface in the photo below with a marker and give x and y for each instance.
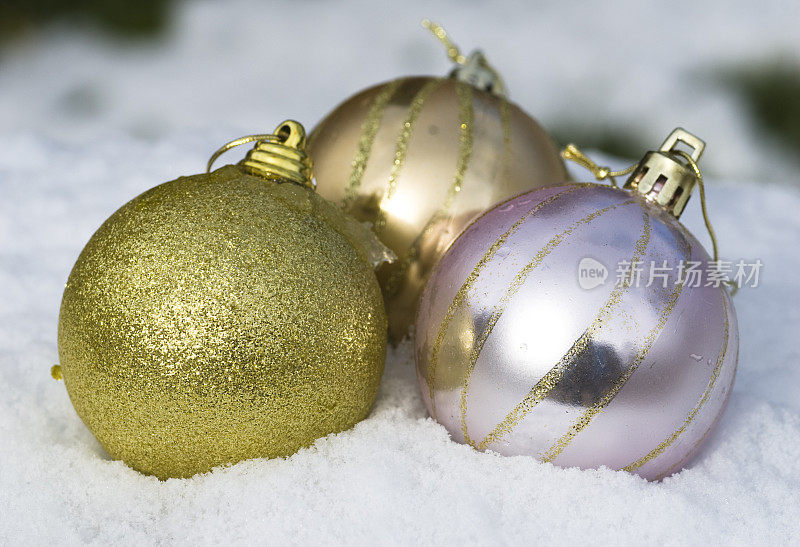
(149, 113)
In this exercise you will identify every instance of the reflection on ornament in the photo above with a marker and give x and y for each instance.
(224, 316)
(514, 355)
(420, 157)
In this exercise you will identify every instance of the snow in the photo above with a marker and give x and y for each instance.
(226, 70)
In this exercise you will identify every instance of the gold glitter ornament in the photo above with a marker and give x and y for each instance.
(421, 157)
(224, 316)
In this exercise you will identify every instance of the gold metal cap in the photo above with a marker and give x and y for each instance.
(281, 155)
(665, 176)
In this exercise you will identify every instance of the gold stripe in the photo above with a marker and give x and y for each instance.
(557, 373)
(401, 147)
(368, 131)
(461, 295)
(466, 117)
(589, 414)
(658, 450)
(466, 120)
(686, 456)
(515, 285)
(699, 441)
(505, 122)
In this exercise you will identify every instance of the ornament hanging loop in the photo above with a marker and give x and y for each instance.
(680, 135)
(452, 50)
(266, 137)
(690, 159)
(699, 176)
(573, 153)
(474, 69)
(279, 155)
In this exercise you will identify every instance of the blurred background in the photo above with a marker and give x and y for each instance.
(613, 76)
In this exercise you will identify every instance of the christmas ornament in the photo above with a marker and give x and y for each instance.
(525, 344)
(420, 157)
(224, 316)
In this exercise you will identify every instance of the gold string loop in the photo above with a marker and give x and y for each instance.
(238, 142)
(573, 153)
(455, 56)
(438, 31)
(701, 186)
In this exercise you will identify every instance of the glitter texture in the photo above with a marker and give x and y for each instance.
(368, 131)
(466, 117)
(222, 317)
(401, 148)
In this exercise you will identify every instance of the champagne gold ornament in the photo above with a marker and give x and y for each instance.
(420, 157)
(224, 316)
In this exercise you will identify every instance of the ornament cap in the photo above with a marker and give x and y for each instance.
(281, 155)
(667, 176)
(474, 70)
(477, 72)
